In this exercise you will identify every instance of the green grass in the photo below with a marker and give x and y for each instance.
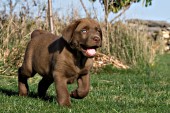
(112, 91)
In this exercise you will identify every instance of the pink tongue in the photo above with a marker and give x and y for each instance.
(90, 52)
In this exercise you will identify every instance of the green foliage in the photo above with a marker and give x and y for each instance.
(116, 5)
(148, 2)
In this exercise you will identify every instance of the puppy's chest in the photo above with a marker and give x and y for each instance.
(78, 67)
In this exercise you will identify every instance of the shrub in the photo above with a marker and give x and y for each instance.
(130, 45)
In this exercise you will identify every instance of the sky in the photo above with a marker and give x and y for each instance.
(159, 10)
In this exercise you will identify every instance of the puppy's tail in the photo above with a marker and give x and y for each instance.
(37, 32)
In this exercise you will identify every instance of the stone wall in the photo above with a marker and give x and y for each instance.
(157, 30)
(166, 38)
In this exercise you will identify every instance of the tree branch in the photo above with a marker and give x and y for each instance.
(87, 13)
(124, 10)
(95, 14)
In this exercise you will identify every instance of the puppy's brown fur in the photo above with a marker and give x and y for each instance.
(61, 59)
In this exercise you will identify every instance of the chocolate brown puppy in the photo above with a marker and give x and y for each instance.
(62, 60)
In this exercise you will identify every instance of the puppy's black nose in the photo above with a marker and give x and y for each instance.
(96, 38)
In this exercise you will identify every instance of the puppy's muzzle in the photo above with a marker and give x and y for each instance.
(96, 39)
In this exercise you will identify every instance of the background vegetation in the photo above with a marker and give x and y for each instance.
(126, 44)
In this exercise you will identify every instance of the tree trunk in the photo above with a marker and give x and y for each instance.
(107, 39)
(50, 16)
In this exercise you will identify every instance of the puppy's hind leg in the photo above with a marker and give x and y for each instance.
(23, 76)
(43, 86)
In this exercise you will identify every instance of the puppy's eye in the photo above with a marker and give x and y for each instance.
(98, 30)
(84, 31)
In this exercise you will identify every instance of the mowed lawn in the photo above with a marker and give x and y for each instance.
(112, 91)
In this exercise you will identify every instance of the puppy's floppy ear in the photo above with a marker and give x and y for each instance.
(67, 33)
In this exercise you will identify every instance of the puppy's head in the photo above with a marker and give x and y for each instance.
(85, 35)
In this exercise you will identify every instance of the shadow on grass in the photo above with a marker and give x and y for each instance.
(9, 92)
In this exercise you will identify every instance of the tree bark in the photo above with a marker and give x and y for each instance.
(50, 16)
(107, 39)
